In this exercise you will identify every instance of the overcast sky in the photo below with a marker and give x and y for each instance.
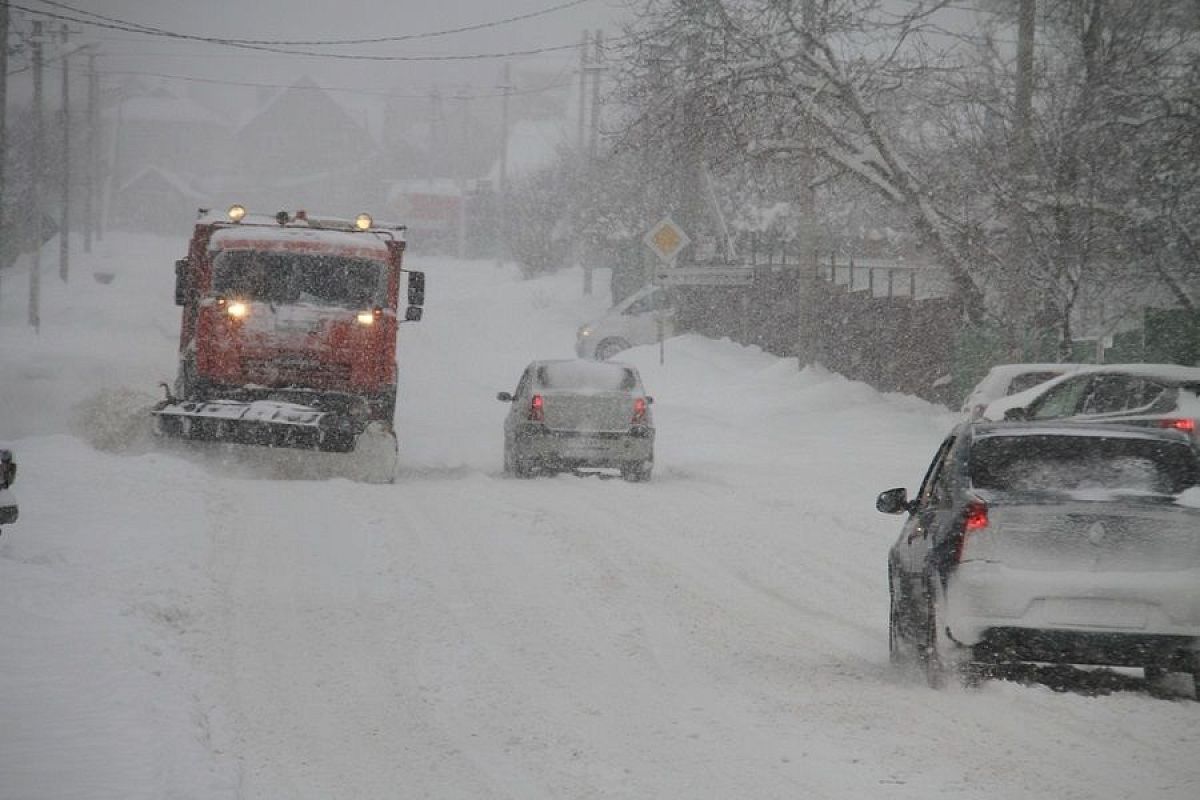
(206, 66)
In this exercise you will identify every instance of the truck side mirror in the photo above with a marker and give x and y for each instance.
(183, 282)
(413, 314)
(416, 290)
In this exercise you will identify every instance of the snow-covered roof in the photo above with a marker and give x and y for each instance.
(304, 85)
(162, 106)
(176, 182)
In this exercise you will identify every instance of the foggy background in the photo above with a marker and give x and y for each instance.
(923, 187)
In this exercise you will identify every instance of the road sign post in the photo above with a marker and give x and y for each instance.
(665, 240)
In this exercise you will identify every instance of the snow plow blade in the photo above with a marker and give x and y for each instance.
(267, 423)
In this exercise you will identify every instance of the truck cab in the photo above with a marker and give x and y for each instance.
(294, 310)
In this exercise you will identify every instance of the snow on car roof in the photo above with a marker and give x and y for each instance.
(1169, 372)
(1066, 428)
(265, 237)
(1010, 370)
(586, 374)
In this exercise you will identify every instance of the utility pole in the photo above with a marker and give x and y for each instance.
(35, 278)
(64, 226)
(1024, 100)
(89, 172)
(502, 188)
(596, 68)
(583, 67)
(460, 164)
(806, 203)
(433, 159)
(5, 240)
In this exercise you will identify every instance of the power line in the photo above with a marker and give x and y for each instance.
(557, 83)
(132, 27)
(335, 42)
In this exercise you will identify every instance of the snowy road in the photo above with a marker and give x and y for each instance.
(174, 626)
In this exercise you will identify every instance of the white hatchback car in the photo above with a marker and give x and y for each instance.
(636, 320)
(579, 414)
(1004, 380)
(1153, 395)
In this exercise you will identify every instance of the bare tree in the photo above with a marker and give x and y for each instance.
(776, 80)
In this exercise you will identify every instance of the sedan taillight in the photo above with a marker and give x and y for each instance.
(1181, 424)
(536, 409)
(639, 411)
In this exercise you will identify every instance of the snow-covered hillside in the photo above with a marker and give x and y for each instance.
(175, 624)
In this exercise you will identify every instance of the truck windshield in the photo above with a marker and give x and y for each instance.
(318, 279)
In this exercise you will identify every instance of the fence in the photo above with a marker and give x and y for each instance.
(884, 322)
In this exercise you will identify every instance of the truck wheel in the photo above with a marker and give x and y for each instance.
(189, 385)
(384, 406)
(609, 348)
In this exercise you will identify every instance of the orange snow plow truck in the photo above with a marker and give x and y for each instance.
(289, 330)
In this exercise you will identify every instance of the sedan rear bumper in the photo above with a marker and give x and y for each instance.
(571, 449)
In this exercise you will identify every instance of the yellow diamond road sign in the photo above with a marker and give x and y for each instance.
(666, 239)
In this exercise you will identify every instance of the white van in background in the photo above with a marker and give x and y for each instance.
(634, 321)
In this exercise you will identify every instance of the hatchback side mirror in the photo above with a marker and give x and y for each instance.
(893, 501)
(1017, 414)
(505, 397)
(8, 469)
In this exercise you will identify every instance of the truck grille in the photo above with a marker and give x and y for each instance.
(294, 372)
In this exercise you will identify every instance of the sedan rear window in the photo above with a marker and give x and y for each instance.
(1048, 462)
(587, 376)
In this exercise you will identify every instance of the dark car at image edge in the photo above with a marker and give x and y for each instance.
(1057, 543)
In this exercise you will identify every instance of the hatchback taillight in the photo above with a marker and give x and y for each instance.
(1180, 424)
(639, 410)
(536, 412)
(975, 518)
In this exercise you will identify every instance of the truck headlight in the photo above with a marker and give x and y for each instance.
(369, 317)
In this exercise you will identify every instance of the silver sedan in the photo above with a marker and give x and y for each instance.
(579, 414)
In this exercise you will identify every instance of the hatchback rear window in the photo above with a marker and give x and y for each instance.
(1048, 462)
(587, 376)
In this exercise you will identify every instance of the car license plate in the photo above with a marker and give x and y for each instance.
(581, 447)
(1094, 612)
